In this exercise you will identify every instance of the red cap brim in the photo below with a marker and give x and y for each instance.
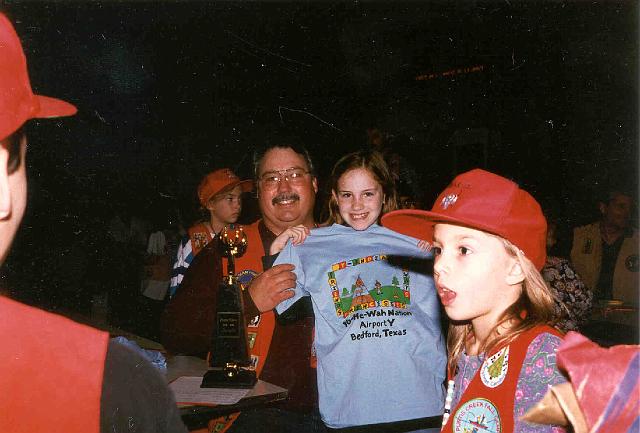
(420, 223)
(410, 222)
(52, 107)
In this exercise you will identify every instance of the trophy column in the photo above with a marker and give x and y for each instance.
(229, 360)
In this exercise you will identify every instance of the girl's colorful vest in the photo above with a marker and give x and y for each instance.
(487, 404)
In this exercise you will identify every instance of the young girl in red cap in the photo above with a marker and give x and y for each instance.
(488, 240)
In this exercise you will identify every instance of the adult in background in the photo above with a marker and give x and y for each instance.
(280, 346)
(58, 375)
(605, 253)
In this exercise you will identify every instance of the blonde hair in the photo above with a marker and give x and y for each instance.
(533, 307)
(374, 163)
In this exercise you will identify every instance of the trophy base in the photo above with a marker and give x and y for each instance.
(229, 378)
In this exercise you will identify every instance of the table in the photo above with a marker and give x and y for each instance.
(196, 417)
(612, 324)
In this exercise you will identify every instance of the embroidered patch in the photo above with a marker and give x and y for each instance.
(631, 263)
(254, 321)
(448, 200)
(251, 336)
(200, 239)
(494, 369)
(477, 415)
(245, 277)
(254, 362)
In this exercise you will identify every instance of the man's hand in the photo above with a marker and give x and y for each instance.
(270, 287)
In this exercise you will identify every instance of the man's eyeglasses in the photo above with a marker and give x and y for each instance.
(295, 176)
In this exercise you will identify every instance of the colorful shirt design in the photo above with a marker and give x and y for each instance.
(377, 324)
(362, 297)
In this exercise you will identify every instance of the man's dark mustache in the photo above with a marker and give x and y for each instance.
(285, 196)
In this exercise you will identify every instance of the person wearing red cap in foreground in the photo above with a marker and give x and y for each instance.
(489, 243)
(58, 375)
(220, 193)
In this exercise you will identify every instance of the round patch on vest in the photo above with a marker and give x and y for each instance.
(245, 277)
(494, 369)
(631, 263)
(477, 415)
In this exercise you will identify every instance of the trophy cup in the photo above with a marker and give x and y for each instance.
(229, 360)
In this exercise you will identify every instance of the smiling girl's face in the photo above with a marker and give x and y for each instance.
(360, 198)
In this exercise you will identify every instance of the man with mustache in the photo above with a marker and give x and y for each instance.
(281, 346)
(286, 186)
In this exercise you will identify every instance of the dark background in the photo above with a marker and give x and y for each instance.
(543, 92)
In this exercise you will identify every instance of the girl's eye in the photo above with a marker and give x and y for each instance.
(464, 251)
(345, 194)
(436, 251)
(368, 194)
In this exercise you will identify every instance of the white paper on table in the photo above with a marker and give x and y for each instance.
(187, 391)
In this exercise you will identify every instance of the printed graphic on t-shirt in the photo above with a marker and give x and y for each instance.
(366, 290)
(477, 415)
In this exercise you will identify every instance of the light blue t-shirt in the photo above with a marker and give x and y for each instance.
(378, 339)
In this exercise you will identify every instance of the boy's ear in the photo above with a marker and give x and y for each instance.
(5, 193)
(516, 274)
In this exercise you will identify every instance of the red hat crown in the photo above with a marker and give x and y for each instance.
(218, 181)
(485, 201)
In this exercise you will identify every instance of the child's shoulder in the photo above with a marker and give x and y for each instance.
(545, 342)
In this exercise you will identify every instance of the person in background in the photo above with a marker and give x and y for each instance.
(58, 375)
(605, 253)
(573, 300)
(405, 176)
(220, 193)
(489, 243)
(155, 284)
(375, 307)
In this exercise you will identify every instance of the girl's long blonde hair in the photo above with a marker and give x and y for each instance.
(533, 307)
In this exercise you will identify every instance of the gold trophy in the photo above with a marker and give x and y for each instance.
(229, 360)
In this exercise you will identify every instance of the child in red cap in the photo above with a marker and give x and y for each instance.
(220, 193)
(58, 375)
(488, 239)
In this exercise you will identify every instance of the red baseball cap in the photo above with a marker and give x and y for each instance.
(484, 201)
(17, 101)
(219, 181)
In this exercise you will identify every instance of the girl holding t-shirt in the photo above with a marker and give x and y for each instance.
(381, 354)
